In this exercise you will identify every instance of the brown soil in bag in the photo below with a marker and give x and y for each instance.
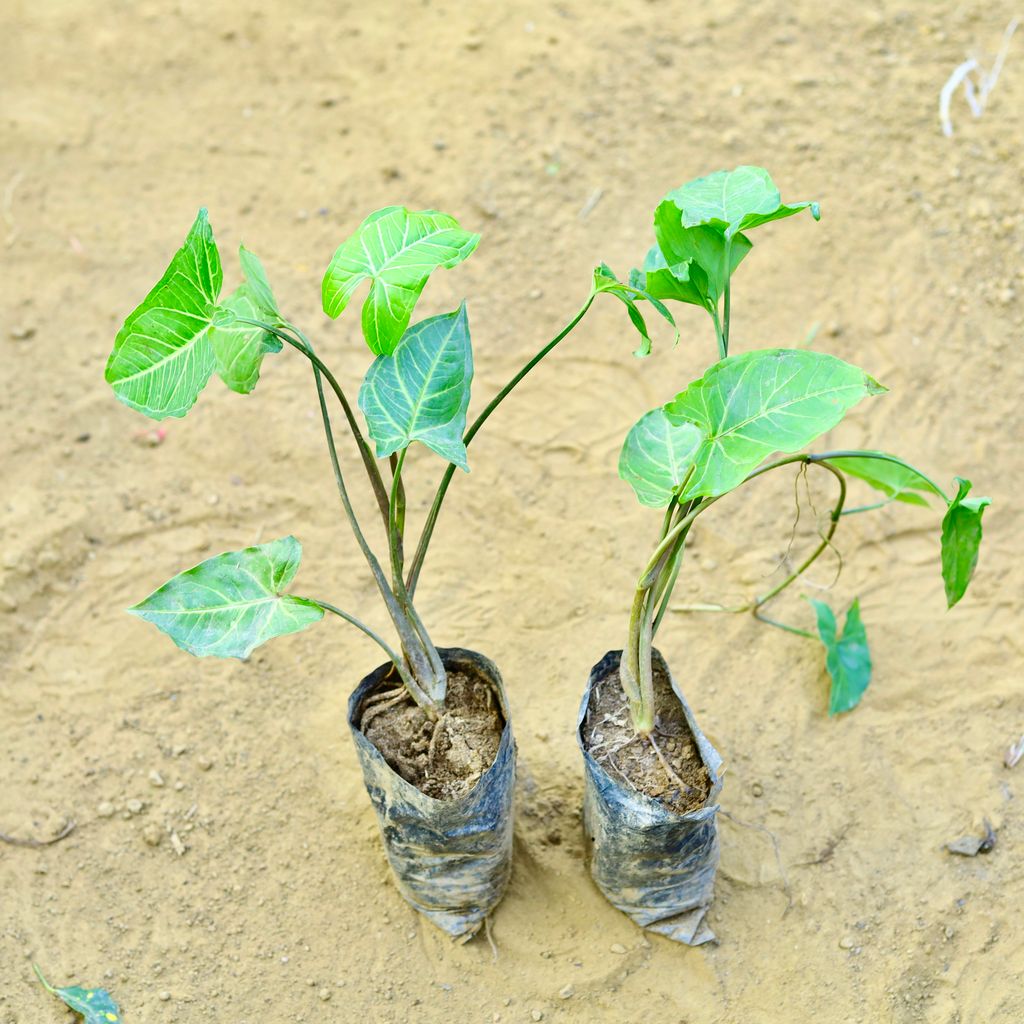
(443, 759)
(667, 765)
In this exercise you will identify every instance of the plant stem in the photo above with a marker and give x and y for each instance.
(727, 315)
(428, 527)
(302, 344)
(407, 679)
(394, 530)
(723, 345)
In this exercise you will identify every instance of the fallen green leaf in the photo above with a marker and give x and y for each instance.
(96, 1005)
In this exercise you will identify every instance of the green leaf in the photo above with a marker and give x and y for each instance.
(734, 201)
(656, 457)
(848, 658)
(606, 281)
(961, 539)
(231, 603)
(896, 480)
(396, 250)
(682, 282)
(96, 1005)
(239, 348)
(421, 391)
(162, 356)
(751, 405)
(704, 245)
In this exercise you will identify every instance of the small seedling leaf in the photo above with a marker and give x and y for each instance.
(896, 481)
(961, 539)
(606, 281)
(162, 356)
(96, 1005)
(421, 391)
(681, 282)
(396, 250)
(238, 347)
(847, 658)
(734, 201)
(231, 603)
(656, 457)
(703, 244)
(771, 400)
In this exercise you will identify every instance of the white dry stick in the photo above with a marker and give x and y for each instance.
(1014, 753)
(976, 93)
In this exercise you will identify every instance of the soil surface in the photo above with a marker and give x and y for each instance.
(667, 765)
(225, 865)
(443, 758)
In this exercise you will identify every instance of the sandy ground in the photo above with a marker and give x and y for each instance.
(291, 122)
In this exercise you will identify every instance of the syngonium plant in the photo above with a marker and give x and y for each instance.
(416, 389)
(721, 432)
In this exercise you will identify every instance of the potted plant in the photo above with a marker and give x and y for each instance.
(652, 778)
(431, 725)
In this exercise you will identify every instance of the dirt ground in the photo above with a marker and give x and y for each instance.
(553, 129)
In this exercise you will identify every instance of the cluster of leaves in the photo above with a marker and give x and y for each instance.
(716, 433)
(416, 389)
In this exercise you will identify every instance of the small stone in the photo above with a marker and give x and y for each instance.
(324, 994)
(617, 947)
(179, 785)
(156, 779)
(536, 293)
(757, 789)
(846, 942)
(22, 333)
(165, 997)
(152, 834)
(179, 846)
(567, 992)
(105, 809)
(204, 764)
(134, 806)
(537, 1014)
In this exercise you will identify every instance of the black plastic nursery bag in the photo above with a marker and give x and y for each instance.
(451, 858)
(654, 864)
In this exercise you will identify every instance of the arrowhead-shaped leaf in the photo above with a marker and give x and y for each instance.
(751, 405)
(96, 1005)
(961, 539)
(232, 603)
(606, 281)
(704, 245)
(896, 480)
(734, 201)
(656, 457)
(396, 250)
(847, 658)
(162, 356)
(239, 348)
(421, 391)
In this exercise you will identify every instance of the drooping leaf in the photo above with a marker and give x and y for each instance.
(847, 658)
(961, 539)
(704, 244)
(734, 200)
(606, 281)
(162, 356)
(421, 391)
(396, 250)
(681, 282)
(231, 603)
(96, 1005)
(656, 457)
(239, 348)
(751, 405)
(896, 480)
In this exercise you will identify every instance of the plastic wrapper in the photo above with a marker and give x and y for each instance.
(450, 858)
(652, 863)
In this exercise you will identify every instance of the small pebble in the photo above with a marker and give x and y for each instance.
(618, 947)
(152, 834)
(567, 992)
(22, 333)
(846, 942)
(537, 1014)
(324, 994)
(165, 997)
(757, 789)
(204, 764)
(155, 778)
(134, 806)
(105, 809)
(179, 846)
